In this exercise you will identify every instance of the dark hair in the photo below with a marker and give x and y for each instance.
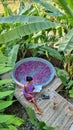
(29, 78)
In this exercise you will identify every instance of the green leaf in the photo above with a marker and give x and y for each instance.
(11, 127)
(63, 75)
(11, 119)
(5, 81)
(35, 45)
(3, 58)
(7, 10)
(16, 121)
(70, 3)
(39, 124)
(21, 19)
(4, 128)
(24, 10)
(52, 52)
(32, 116)
(70, 83)
(48, 6)
(6, 93)
(5, 104)
(22, 6)
(48, 128)
(3, 64)
(26, 29)
(13, 56)
(71, 93)
(67, 43)
(5, 118)
(67, 9)
(4, 69)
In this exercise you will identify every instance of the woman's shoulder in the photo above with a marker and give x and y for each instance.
(25, 84)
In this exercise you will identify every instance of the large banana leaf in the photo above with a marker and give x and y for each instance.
(16, 121)
(5, 69)
(32, 116)
(26, 29)
(5, 81)
(12, 127)
(53, 11)
(21, 19)
(3, 59)
(10, 119)
(6, 93)
(67, 43)
(52, 52)
(5, 104)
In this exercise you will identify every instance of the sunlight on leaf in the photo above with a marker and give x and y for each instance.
(5, 81)
(6, 93)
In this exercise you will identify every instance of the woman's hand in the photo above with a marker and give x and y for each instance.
(30, 92)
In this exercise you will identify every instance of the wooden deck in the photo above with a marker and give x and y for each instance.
(61, 116)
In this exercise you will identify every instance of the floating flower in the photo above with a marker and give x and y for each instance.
(41, 70)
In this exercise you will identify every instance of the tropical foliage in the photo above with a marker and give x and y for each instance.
(7, 122)
(37, 29)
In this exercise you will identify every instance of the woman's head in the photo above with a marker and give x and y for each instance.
(29, 78)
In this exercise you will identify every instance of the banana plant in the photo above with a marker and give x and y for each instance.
(7, 122)
(24, 24)
(52, 52)
(26, 29)
(66, 44)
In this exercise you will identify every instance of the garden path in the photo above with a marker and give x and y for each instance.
(62, 116)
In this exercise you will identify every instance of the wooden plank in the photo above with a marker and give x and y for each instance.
(58, 116)
(61, 112)
(69, 123)
(56, 113)
(65, 124)
(49, 108)
(69, 118)
(61, 116)
(55, 84)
